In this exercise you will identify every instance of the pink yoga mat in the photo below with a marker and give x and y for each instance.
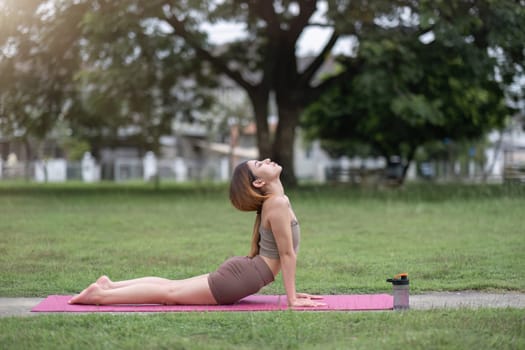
(361, 302)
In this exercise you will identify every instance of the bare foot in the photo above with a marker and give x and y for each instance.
(104, 282)
(90, 295)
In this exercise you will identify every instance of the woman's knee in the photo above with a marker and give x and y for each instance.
(172, 294)
(192, 292)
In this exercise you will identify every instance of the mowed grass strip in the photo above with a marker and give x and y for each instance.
(437, 329)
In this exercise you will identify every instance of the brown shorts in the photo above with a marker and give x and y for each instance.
(239, 277)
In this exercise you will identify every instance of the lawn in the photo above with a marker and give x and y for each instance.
(56, 239)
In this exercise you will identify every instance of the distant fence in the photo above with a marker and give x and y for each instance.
(217, 169)
(55, 170)
(121, 169)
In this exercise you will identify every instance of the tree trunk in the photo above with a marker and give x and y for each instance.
(283, 144)
(29, 157)
(410, 157)
(260, 110)
(278, 147)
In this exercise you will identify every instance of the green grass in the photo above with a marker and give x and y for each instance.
(55, 239)
(439, 329)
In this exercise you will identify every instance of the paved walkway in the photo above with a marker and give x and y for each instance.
(467, 299)
(436, 300)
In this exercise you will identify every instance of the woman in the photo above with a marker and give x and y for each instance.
(255, 186)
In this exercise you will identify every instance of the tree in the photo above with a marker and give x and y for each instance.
(57, 64)
(136, 79)
(406, 95)
(38, 59)
(264, 61)
(408, 91)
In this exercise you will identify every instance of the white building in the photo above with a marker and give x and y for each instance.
(506, 156)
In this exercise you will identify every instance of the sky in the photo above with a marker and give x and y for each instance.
(310, 42)
(313, 38)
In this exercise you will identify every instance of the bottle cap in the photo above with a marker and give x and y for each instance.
(399, 279)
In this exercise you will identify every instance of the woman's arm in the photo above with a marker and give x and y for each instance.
(280, 221)
(279, 217)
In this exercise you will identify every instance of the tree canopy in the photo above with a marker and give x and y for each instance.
(407, 90)
(105, 64)
(407, 94)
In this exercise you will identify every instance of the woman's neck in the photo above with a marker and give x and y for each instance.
(274, 188)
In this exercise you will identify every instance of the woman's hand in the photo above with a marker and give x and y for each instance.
(308, 296)
(306, 300)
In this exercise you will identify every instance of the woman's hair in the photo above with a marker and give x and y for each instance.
(244, 196)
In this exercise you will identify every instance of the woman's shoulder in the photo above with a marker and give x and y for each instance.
(278, 201)
(276, 208)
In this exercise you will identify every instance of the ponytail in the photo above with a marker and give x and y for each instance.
(254, 250)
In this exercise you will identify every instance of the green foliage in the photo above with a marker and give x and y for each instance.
(38, 58)
(100, 67)
(403, 91)
(75, 148)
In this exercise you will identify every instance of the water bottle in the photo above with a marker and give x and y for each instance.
(400, 291)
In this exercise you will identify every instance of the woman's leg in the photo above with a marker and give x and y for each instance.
(192, 291)
(106, 283)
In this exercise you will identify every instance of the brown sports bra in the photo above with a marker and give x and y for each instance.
(268, 246)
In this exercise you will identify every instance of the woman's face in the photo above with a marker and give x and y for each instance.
(264, 169)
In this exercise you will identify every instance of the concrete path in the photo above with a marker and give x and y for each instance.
(467, 299)
(435, 300)
(18, 306)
